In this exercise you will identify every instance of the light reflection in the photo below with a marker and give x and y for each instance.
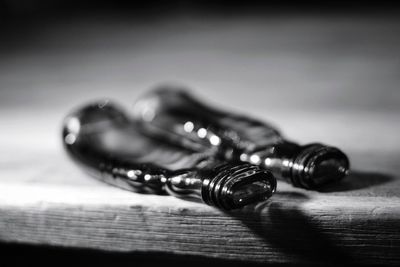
(215, 140)
(285, 163)
(146, 109)
(202, 133)
(255, 159)
(148, 114)
(176, 180)
(188, 127)
(131, 174)
(73, 125)
(103, 103)
(70, 138)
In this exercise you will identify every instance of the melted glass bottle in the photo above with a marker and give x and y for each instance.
(103, 139)
(178, 116)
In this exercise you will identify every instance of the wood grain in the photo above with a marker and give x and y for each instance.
(329, 79)
(292, 227)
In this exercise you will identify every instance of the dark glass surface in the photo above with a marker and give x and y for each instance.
(173, 114)
(109, 145)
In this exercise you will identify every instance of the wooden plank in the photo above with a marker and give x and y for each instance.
(292, 227)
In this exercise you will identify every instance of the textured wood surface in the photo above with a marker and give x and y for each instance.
(331, 79)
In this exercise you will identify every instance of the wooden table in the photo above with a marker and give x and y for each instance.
(319, 78)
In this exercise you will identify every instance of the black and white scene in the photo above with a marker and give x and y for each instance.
(199, 133)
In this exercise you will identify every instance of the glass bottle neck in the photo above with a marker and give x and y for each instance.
(308, 166)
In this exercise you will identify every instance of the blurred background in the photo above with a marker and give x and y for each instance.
(314, 69)
(320, 71)
(54, 54)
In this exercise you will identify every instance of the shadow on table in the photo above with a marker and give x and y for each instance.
(284, 226)
(358, 180)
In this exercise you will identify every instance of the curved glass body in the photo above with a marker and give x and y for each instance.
(174, 114)
(101, 137)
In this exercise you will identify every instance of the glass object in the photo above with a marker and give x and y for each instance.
(175, 114)
(103, 139)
